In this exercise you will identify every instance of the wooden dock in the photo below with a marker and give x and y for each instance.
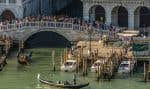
(99, 51)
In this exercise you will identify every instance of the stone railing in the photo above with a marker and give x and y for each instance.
(43, 25)
(54, 25)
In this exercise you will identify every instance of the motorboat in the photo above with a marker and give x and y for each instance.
(69, 65)
(96, 66)
(126, 66)
(63, 84)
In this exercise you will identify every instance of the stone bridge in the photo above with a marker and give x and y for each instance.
(23, 30)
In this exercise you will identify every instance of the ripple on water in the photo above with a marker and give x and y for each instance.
(16, 76)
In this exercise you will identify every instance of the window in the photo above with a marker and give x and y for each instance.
(2, 1)
(12, 1)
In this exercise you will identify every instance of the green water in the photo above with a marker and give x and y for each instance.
(16, 76)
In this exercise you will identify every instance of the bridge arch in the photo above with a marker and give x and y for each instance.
(119, 16)
(46, 38)
(97, 12)
(142, 16)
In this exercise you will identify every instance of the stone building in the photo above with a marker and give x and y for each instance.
(72, 8)
(122, 13)
(11, 9)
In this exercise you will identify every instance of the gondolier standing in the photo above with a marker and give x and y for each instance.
(74, 79)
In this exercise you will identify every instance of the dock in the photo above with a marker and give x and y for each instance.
(89, 52)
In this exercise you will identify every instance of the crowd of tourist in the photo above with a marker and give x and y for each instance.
(61, 18)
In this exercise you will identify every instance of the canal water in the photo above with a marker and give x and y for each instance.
(16, 76)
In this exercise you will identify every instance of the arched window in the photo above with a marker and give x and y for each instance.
(12, 1)
(2, 1)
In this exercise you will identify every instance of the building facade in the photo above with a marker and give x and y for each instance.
(11, 9)
(72, 8)
(122, 13)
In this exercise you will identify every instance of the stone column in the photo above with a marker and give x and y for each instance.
(131, 18)
(108, 15)
(18, 2)
(114, 18)
(85, 11)
(137, 19)
(7, 2)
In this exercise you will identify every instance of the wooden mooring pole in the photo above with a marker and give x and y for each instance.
(53, 60)
(146, 73)
(98, 73)
(85, 73)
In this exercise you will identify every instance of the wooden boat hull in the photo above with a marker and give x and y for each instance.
(23, 60)
(70, 86)
(2, 63)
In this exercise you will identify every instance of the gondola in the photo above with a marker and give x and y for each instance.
(2, 62)
(22, 59)
(62, 84)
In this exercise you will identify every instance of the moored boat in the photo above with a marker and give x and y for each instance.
(126, 66)
(2, 62)
(22, 59)
(69, 65)
(97, 65)
(63, 84)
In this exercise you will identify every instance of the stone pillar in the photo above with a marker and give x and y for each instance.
(108, 15)
(114, 18)
(85, 11)
(137, 19)
(18, 2)
(7, 2)
(130, 19)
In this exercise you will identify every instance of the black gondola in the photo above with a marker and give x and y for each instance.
(2, 62)
(62, 84)
(24, 59)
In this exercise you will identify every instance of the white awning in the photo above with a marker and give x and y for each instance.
(129, 33)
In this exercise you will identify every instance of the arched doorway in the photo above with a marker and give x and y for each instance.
(7, 15)
(142, 17)
(73, 8)
(46, 39)
(120, 16)
(97, 13)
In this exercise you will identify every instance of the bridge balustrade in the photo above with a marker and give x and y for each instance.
(41, 24)
(48, 25)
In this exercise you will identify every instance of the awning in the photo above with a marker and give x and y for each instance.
(129, 33)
